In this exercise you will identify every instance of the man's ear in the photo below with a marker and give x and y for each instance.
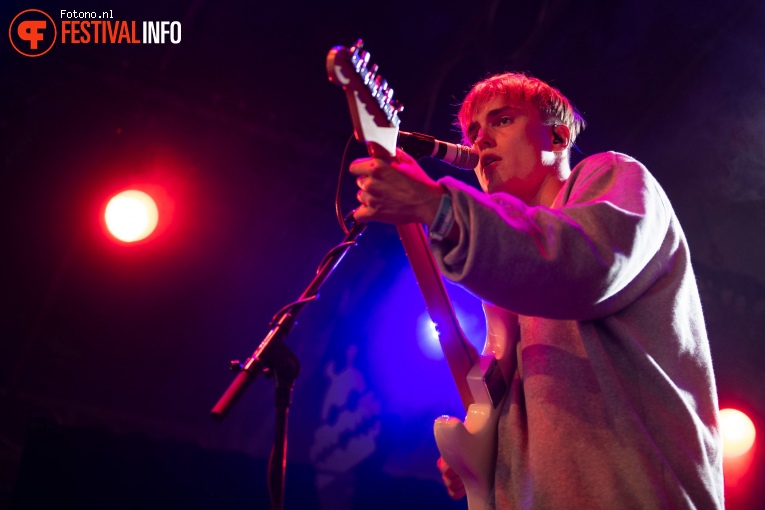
(560, 137)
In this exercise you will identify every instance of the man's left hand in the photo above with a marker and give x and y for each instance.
(396, 191)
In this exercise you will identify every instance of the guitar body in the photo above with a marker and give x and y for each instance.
(468, 446)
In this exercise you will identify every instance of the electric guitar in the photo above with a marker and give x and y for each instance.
(468, 446)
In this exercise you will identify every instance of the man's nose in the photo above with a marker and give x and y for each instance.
(483, 139)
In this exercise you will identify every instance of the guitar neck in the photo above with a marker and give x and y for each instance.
(460, 354)
(375, 121)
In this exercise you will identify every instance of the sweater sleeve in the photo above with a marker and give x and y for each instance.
(592, 253)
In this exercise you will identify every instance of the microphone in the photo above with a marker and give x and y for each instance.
(419, 145)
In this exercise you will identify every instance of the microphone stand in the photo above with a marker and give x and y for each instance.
(274, 359)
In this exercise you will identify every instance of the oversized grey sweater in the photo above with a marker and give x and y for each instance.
(613, 402)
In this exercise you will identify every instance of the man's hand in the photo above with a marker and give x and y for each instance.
(454, 485)
(397, 191)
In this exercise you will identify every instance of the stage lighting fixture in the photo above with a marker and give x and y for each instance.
(131, 216)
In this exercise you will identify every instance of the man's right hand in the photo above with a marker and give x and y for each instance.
(454, 485)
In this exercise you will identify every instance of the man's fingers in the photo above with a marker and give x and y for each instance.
(363, 213)
(365, 197)
(456, 493)
(368, 185)
(365, 166)
(454, 486)
(359, 167)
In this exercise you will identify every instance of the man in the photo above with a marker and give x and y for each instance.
(613, 401)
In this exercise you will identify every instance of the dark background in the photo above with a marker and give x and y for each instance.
(111, 355)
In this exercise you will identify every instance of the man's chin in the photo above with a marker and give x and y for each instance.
(496, 187)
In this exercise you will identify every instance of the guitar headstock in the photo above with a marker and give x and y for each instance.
(373, 109)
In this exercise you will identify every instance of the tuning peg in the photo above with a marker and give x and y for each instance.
(375, 82)
(361, 64)
(371, 76)
(396, 104)
(373, 72)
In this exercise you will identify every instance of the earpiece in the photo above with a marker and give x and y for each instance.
(556, 139)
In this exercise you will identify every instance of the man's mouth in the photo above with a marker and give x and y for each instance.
(488, 159)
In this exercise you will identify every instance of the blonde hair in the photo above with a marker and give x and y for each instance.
(552, 105)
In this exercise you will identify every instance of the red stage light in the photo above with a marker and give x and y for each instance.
(131, 216)
(737, 432)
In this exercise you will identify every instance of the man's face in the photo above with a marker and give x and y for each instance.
(514, 147)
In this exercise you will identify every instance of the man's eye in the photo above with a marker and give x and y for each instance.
(505, 120)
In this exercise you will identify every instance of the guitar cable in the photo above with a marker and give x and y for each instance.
(338, 208)
(295, 305)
